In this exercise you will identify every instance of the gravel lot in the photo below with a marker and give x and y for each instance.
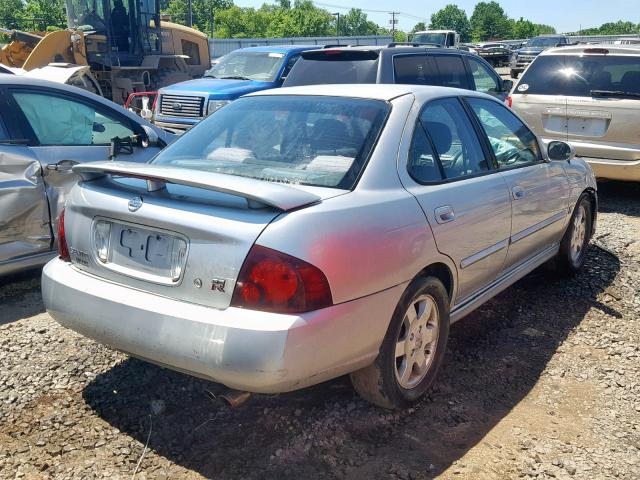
(541, 382)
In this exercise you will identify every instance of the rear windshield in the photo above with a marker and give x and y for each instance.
(306, 140)
(325, 67)
(582, 76)
(546, 42)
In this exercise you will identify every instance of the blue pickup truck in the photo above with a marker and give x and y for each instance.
(181, 106)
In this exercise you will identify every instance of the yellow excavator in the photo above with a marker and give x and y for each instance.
(111, 47)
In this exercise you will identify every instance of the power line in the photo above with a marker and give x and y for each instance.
(369, 10)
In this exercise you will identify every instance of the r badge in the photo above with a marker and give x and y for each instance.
(135, 203)
(218, 285)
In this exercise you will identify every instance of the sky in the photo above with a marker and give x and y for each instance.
(564, 15)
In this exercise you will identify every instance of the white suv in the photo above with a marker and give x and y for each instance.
(588, 95)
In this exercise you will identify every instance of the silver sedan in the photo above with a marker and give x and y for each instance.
(304, 233)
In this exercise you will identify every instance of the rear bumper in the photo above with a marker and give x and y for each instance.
(626, 170)
(242, 349)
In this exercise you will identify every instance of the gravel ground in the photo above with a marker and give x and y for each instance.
(541, 382)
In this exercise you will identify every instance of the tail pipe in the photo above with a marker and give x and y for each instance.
(231, 398)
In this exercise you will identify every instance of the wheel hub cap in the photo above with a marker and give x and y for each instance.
(416, 341)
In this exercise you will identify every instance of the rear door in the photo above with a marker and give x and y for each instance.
(539, 189)
(465, 200)
(65, 130)
(24, 212)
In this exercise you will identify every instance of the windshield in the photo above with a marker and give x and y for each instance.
(544, 42)
(86, 15)
(581, 76)
(439, 38)
(260, 66)
(306, 140)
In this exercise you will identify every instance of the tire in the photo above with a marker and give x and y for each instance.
(397, 381)
(575, 242)
(514, 74)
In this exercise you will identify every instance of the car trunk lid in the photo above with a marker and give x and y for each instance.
(172, 231)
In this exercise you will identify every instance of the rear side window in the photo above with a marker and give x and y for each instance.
(451, 71)
(454, 138)
(326, 67)
(414, 70)
(4, 135)
(581, 76)
(423, 165)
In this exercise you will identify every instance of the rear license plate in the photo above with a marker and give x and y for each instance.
(149, 254)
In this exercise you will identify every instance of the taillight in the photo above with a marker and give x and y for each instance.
(509, 101)
(273, 281)
(63, 250)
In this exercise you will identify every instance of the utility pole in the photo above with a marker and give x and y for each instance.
(189, 14)
(337, 15)
(393, 22)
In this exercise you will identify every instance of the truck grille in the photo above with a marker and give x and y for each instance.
(181, 106)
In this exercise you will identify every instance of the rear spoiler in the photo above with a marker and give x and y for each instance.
(258, 193)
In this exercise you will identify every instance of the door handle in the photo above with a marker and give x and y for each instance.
(444, 214)
(62, 166)
(518, 193)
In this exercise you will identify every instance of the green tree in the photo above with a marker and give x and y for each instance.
(43, 15)
(452, 17)
(355, 22)
(489, 21)
(203, 12)
(11, 12)
(523, 29)
(419, 27)
(542, 29)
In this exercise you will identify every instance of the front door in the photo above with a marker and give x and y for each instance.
(539, 189)
(66, 130)
(465, 201)
(24, 213)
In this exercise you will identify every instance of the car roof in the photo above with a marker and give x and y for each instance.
(580, 49)
(436, 50)
(374, 91)
(280, 48)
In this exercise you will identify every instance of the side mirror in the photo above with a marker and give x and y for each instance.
(150, 138)
(560, 151)
(507, 85)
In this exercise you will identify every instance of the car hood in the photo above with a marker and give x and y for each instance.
(213, 86)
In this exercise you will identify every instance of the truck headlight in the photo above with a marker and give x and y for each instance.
(215, 105)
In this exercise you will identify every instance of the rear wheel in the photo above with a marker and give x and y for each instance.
(574, 244)
(412, 350)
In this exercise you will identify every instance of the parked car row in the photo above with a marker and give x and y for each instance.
(184, 104)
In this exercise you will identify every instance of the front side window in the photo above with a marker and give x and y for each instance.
(307, 140)
(61, 121)
(454, 138)
(513, 144)
(239, 65)
(451, 71)
(482, 78)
